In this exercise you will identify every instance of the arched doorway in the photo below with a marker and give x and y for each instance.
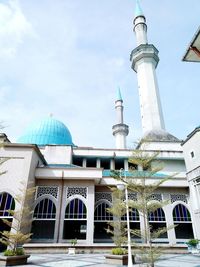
(75, 222)
(101, 219)
(7, 202)
(182, 219)
(44, 218)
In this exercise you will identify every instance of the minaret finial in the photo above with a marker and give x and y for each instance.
(138, 9)
(119, 95)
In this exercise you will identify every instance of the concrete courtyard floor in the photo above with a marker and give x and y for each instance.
(98, 260)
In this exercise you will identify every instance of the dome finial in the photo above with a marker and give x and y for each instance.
(138, 9)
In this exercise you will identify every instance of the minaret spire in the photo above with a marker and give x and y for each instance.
(138, 9)
(120, 130)
(144, 62)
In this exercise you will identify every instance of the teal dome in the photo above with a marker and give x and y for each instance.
(47, 131)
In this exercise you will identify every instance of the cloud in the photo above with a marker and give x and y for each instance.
(13, 28)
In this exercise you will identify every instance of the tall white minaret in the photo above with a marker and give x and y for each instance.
(120, 130)
(144, 62)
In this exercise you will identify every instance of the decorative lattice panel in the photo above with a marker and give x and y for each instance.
(178, 197)
(103, 196)
(156, 196)
(82, 191)
(47, 190)
(132, 196)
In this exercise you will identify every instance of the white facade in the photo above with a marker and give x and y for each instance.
(192, 160)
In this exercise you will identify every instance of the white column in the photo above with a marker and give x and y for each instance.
(90, 215)
(169, 220)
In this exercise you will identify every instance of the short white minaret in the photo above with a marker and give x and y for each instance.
(144, 62)
(120, 130)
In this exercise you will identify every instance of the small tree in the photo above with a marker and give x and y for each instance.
(20, 225)
(118, 227)
(141, 180)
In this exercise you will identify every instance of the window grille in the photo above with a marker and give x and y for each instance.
(133, 216)
(45, 209)
(101, 213)
(181, 214)
(76, 209)
(7, 202)
(157, 216)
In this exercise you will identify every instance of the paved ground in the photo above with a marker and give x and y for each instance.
(98, 260)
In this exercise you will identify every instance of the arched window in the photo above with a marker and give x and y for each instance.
(157, 216)
(182, 220)
(7, 202)
(76, 210)
(181, 214)
(101, 217)
(101, 213)
(157, 220)
(75, 222)
(44, 220)
(45, 209)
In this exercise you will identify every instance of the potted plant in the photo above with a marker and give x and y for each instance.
(19, 229)
(193, 246)
(118, 256)
(72, 249)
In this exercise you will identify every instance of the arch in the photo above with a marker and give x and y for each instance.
(75, 221)
(157, 216)
(76, 210)
(43, 225)
(101, 217)
(39, 199)
(101, 213)
(7, 202)
(181, 213)
(157, 220)
(69, 199)
(182, 219)
(45, 209)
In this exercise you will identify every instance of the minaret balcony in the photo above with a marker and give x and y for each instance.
(144, 52)
(120, 128)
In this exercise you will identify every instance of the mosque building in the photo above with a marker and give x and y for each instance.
(73, 183)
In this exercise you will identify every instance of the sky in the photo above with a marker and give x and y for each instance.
(68, 58)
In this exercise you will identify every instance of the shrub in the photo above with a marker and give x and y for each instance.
(193, 242)
(10, 252)
(119, 251)
(20, 251)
